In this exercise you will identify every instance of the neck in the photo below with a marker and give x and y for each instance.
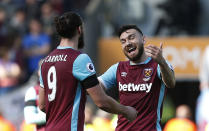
(65, 42)
(141, 59)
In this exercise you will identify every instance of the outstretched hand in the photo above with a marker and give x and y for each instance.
(155, 52)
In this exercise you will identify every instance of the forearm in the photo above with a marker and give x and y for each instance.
(104, 101)
(112, 106)
(108, 104)
(168, 76)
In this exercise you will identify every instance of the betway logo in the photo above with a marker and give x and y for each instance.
(133, 87)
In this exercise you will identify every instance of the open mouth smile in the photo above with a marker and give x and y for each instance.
(131, 49)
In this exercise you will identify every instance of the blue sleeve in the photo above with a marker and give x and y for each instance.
(83, 67)
(159, 71)
(108, 79)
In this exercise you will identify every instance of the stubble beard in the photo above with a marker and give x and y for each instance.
(138, 56)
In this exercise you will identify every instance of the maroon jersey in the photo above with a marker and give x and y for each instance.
(65, 74)
(141, 87)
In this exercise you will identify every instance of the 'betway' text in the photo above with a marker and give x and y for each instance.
(132, 87)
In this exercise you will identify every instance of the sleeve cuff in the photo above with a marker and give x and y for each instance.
(90, 81)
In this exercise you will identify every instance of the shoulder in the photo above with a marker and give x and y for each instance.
(74, 53)
(115, 65)
(83, 67)
(81, 58)
(82, 55)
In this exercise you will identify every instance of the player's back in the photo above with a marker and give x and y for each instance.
(64, 97)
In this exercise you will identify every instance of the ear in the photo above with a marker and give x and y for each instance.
(79, 30)
(144, 39)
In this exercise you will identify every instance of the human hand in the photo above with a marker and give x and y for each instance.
(155, 52)
(130, 114)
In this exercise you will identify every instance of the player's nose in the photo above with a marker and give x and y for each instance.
(128, 44)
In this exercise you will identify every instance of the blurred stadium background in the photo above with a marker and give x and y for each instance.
(182, 25)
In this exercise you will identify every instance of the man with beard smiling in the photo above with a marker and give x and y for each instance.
(66, 75)
(141, 81)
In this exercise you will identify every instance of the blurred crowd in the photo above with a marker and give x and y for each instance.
(27, 34)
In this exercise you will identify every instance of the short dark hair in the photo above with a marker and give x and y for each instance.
(67, 24)
(127, 27)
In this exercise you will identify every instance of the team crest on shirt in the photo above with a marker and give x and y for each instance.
(90, 67)
(147, 74)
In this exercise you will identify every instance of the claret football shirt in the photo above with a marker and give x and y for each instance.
(140, 86)
(65, 75)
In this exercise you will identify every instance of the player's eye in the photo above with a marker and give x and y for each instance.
(123, 41)
(131, 37)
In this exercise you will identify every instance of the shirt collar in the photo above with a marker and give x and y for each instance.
(64, 47)
(144, 62)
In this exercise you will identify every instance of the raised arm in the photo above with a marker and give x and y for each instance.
(167, 74)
